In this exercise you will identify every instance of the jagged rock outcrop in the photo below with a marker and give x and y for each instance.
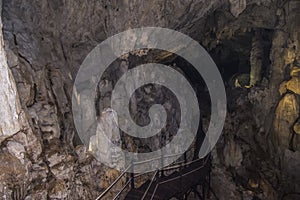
(286, 114)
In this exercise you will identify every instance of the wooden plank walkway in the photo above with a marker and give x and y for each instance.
(175, 185)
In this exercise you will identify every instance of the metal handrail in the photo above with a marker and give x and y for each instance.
(157, 158)
(137, 163)
(149, 186)
(180, 165)
(113, 183)
(189, 172)
(126, 184)
(152, 196)
(172, 179)
(120, 192)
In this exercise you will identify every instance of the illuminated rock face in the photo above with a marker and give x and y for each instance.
(294, 85)
(286, 114)
(10, 108)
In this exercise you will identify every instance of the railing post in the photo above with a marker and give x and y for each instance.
(181, 181)
(132, 175)
(162, 164)
(208, 185)
(209, 176)
(185, 196)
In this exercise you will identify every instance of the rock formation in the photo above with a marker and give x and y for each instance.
(43, 43)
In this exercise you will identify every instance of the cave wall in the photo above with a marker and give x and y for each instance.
(11, 106)
(46, 41)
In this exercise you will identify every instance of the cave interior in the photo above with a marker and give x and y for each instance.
(255, 45)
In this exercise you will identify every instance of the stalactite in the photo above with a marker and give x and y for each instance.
(256, 59)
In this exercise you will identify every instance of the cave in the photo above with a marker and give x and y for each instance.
(58, 142)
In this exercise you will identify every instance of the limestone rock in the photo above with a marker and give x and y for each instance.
(239, 80)
(40, 194)
(296, 138)
(296, 143)
(268, 190)
(237, 7)
(19, 191)
(63, 170)
(12, 174)
(106, 144)
(289, 56)
(10, 107)
(291, 165)
(294, 85)
(48, 40)
(282, 88)
(81, 152)
(10, 165)
(109, 176)
(233, 154)
(31, 142)
(58, 190)
(17, 150)
(256, 59)
(40, 171)
(297, 128)
(13, 122)
(286, 114)
(23, 75)
(295, 72)
(12, 58)
(55, 158)
(228, 189)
